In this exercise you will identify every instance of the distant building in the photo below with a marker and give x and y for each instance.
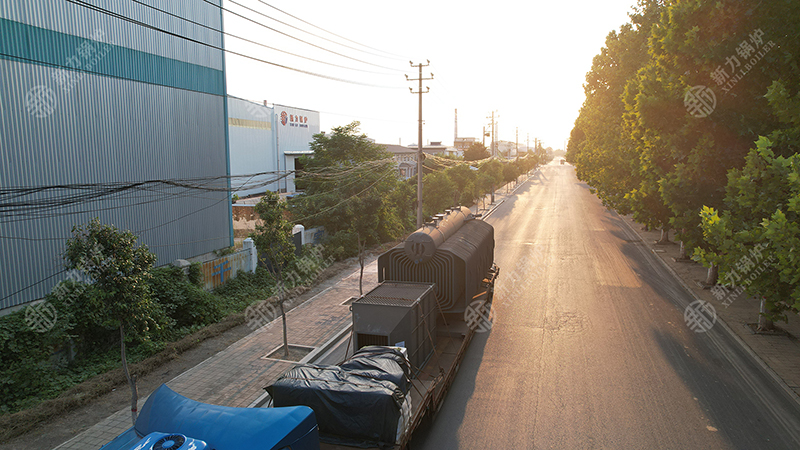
(463, 143)
(406, 157)
(506, 148)
(267, 139)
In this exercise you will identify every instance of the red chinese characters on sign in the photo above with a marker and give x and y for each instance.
(293, 120)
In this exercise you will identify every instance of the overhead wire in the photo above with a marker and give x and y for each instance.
(25, 203)
(255, 42)
(398, 57)
(89, 193)
(108, 12)
(290, 36)
(345, 200)
(322, 37)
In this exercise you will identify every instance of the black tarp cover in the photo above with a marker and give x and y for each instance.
(350, 408)
(383, 363)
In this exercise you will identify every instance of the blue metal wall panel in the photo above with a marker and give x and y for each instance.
(130, 127)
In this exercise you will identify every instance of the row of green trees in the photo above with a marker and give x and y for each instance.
(351, 187)
(690, 123)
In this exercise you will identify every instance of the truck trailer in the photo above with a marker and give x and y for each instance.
(409, 336)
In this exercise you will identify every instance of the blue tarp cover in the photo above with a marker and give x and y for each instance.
(227, 428)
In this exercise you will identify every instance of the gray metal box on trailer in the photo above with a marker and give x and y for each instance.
(398, 313)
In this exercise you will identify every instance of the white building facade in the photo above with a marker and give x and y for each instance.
(265, 145)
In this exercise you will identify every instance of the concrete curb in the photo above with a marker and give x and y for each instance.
(774, 375)
(493, 207)
(311, 358)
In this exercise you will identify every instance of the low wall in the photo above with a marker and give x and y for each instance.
(216, 272)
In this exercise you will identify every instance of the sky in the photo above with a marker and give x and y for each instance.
(524, 61)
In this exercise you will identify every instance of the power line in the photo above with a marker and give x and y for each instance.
(255, 42)
(289, 35)
(398, 57)
(282, 66)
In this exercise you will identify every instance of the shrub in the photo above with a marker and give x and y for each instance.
(25, 359)
(184, 302)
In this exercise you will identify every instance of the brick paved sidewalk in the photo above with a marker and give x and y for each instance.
(780, 352)
(237, 375)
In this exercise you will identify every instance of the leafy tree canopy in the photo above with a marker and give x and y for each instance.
(475, 152)
(349, 188)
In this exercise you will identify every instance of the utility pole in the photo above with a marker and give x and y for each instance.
(494, 133)
(419, 136)
(494, 146)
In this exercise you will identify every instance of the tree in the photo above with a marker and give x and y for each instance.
(437, 193)
(757, 237)
(510, 172)
(464, 178)
(476, 152)
(492, 171)
(120, 271)
(691, 44)
(352, 190)
(273, 239)
(599, 146)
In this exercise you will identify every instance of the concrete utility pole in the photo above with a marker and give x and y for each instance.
(494, 133)
(494, 146)
(419, 138)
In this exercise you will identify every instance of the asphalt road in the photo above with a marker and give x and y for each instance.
(589, 347)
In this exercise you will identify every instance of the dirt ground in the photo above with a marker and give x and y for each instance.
(70, 424)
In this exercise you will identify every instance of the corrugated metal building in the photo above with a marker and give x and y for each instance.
(120, 93)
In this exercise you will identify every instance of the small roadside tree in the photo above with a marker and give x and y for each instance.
(475, 152)
(120, 270)
(755, 240)
(273, 239)
(493, 171)
(464, 179)
(437, 193)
